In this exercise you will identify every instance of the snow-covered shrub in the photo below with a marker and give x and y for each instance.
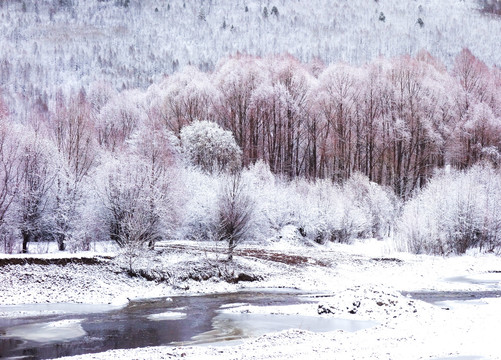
(331, 216)
(281, 206)
(91, 227)
(321, 211)
(209, 147)
(455, 212)
(200, 210)
(378, 205)
(9, 243)
(218, 208)
(328, 212)
(273, 204)
(277, 203)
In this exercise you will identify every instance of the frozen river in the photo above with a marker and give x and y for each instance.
(71, 330)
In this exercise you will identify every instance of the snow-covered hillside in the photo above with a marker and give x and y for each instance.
(52, 44)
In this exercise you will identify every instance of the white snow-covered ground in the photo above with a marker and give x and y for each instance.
(360, 281)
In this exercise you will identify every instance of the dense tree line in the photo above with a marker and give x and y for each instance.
(394, 121)
(140, 166)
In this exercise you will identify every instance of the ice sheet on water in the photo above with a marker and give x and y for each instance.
(48, 331)
(173, 315)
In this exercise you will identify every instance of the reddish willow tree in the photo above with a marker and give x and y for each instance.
(393, 120)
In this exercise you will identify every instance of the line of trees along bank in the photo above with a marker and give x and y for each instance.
(393, 120)
(105, 164)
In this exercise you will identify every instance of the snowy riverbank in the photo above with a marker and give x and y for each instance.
(361, 281)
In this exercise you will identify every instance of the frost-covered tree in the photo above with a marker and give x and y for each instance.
(207, 146)
(132, 223)
(235, 210)
(11, 176)
(140, 189)
(159, 150)
(118, 119)
(338, 95)
(236, 79)
(472, 75)
(39, 175)
(186, 96)
(73, 133)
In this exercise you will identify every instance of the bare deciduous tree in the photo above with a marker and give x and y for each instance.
(235, 213)
(11, 178)
(73, 133)
(38, 178)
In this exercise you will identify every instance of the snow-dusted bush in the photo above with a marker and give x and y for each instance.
(209, 147)
(331, 214)
(200, 210)
(457, 211)
(378, 205)
(9, 236)
(276, 205)
(321, 210)
(218, 208)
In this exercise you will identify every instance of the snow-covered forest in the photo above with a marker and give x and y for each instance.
(295, 178)
(99, 142)
(59, 45)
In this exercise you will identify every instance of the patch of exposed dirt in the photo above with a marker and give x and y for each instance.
(269, 255)
(388, 260)
(230, 274)
(280, 257)
(95, 260)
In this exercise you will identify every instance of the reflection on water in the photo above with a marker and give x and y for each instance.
(33, 310)
(178, 320)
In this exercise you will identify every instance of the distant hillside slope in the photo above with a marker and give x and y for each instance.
(51, 44)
